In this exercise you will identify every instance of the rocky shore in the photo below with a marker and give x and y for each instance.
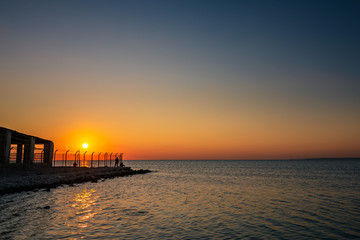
(14, 179)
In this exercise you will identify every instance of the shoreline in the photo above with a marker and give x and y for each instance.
(14, 180)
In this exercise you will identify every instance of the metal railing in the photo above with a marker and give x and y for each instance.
(91, 160)
(15, 157)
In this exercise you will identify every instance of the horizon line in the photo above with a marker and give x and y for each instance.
(289, 159)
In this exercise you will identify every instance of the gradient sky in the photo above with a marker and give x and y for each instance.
(184, 79)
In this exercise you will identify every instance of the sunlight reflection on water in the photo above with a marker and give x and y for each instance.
(197, 200)
(82, 203)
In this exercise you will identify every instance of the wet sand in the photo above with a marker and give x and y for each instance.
(17, 179)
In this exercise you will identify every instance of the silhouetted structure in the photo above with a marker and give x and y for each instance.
(24, 147)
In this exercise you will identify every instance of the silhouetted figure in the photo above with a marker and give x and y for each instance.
(122, 164)
(116, 162)
(74, 164)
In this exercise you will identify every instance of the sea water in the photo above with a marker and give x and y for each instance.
(293, 199)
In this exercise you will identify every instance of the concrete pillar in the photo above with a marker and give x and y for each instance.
(48, 153)
(19, 153)
(5, 145)
(29, 151)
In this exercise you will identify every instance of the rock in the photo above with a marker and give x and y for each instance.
(12, 182)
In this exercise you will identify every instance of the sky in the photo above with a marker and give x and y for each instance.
(184, 79)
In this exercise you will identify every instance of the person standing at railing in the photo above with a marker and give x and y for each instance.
(116, 162)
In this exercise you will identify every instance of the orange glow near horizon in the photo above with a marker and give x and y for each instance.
(154, 85)
(252, 141)
(181, 133)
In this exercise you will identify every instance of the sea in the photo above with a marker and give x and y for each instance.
(254, 199)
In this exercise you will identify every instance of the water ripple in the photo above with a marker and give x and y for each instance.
(196, 200)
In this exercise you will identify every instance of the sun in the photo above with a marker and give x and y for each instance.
(85, 145)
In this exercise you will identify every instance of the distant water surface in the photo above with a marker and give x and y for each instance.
(302, 199)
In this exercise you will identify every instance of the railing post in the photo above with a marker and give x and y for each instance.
(84, 158)
(110, 158)
(76, 153)
(105, 159)
(65, 162)
(99, 159)
(92, 159)
(54, 157)
(41, 156)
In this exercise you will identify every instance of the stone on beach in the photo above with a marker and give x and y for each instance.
(14, 180)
